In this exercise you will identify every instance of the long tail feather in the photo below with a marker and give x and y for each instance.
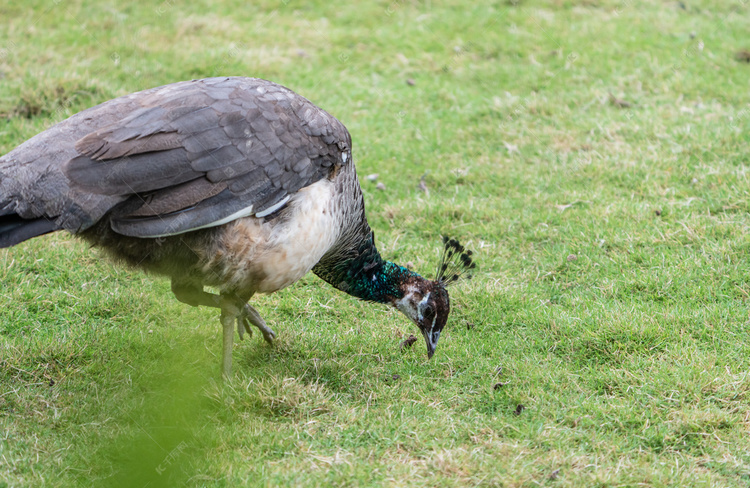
(14, 229)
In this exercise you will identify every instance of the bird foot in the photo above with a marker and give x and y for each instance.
(268, 334)
(249, 316)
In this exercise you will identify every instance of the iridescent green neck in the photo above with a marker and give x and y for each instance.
(380, 284)
(363, 273)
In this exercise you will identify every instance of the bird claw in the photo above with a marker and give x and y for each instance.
(244, 321)
(268, 334)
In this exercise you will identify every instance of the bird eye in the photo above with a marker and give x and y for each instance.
(428, 312)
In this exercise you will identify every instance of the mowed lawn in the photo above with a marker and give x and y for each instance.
(593, 154)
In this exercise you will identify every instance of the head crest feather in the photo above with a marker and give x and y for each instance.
(455, 263)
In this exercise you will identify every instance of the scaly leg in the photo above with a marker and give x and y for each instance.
(248, 315)
(230, 314)
(234, 310)
(228, 317)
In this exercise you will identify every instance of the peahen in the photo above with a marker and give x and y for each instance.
(234, 183)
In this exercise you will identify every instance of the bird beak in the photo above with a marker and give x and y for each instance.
(431, 339)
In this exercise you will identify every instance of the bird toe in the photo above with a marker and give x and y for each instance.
(251, 316)
(243, 325)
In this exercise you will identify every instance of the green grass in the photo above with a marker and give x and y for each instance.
(612, 241)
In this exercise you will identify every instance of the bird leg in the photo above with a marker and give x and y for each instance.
(248, 315)
(195, 297)
(230, 314)
(234, 310)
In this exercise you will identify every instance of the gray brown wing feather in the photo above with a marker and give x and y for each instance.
(204, 151)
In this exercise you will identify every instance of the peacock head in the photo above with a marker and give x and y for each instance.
(426, 302)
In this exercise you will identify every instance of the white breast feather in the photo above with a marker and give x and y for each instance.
(295, 247)
(268, 256)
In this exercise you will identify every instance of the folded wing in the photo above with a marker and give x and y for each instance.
(200, 154)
